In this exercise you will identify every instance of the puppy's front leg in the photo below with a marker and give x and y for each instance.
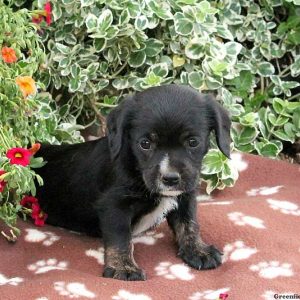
(192, 249)
(118, 256)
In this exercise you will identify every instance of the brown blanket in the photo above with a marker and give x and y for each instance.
(256, 223)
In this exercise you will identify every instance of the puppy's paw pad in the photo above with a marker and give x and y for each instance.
(125, 274)
(272, 269)
(176, 271)
(43, 266)
(201, 258)
(73, 290)
(237, 251)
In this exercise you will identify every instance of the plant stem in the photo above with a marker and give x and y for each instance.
(294, 97)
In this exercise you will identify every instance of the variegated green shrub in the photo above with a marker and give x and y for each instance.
(245, 51)
(27, 113)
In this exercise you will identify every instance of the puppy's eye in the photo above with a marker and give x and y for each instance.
(193, 142)
(145, 144)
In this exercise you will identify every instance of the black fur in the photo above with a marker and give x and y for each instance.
(105, 187)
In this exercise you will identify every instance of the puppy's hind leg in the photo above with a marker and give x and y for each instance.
(118, 257)
(192, 249)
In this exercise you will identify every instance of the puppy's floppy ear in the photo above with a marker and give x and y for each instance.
(220, 123)
(118, 122)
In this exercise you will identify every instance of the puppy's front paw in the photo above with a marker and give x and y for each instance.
(202, 257)
(127, 274)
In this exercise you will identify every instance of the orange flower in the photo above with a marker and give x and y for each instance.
(26, 84)
(8, 55)
(35, 148)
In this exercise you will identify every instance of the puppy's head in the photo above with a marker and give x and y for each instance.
(166, 129)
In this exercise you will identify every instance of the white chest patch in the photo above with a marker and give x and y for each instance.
(156, 216)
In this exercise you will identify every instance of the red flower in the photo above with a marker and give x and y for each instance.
(39, 220)
(8, 55)
(28, 201)
(47, 14)
(38, 19)
(2, 182)
(48, 11)
(223, 296)
(37, 214)
(19, 156)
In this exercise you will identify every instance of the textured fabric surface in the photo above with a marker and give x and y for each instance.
(256, 224)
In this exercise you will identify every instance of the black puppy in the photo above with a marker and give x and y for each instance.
(145, 170)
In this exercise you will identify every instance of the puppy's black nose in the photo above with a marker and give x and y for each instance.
(171, 178)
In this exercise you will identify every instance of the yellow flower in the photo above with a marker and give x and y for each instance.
(26, 85)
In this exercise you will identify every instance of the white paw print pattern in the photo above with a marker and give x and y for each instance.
(73, 290)
(204, 197)
(98, 254)
(11, 281)
(44, 266)
(217, 203)
(208, 294)
(176, 271)
(272, 269)
(264, 190)
(42, 298)
(269, 295)
(47, 238)
(240, 219)
(237, 251)
(125, 295)
(237, 160)
(149, 238)
(285, 207)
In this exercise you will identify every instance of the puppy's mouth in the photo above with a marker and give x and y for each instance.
(170, 193)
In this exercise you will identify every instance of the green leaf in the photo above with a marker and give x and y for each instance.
(296, 118)
(91, 22)
(195, 49)
(213, 83)
(153, 47)
(196, 79)
(183, 26)
(267, 149)
(233, 48)
(277, 120)
(74, 85)
(247, 135)
(160, 70)
(141, 22)
(213, 162)
(249, 119)
(283, 136)
(178, 61)
(295, 67)
(137, 59)
(104, 21)
(85, 3)
(265, 69)
(62, 48)
(224, 32)
(120, 83)
(99, 44)
(244, 81)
